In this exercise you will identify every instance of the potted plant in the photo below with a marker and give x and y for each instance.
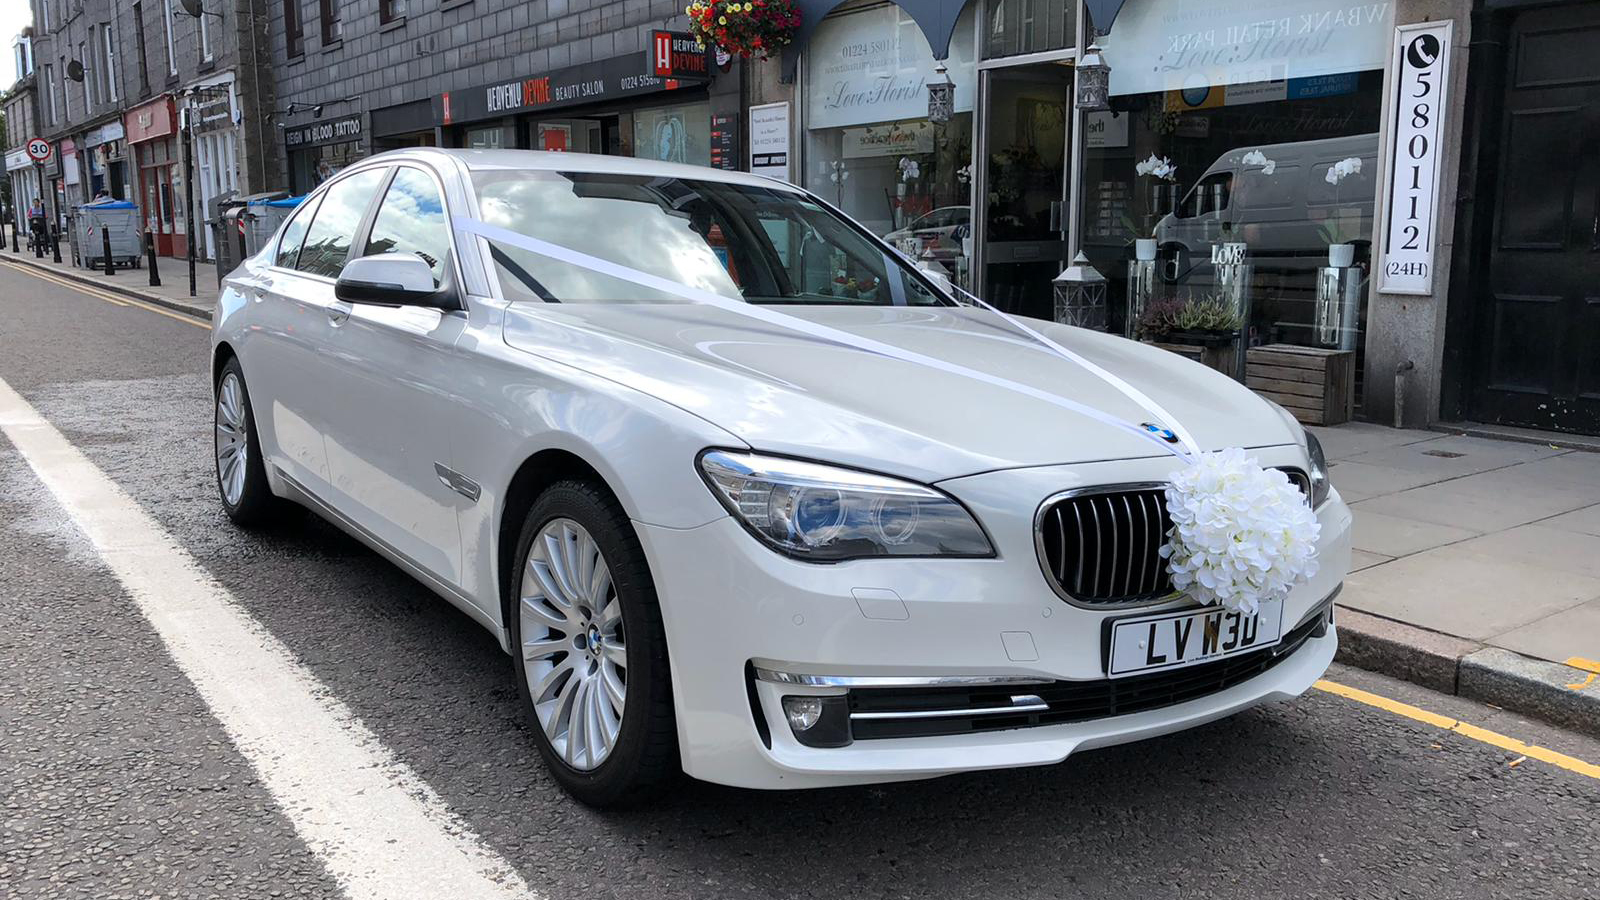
(1162, 169)
(1158, 320)
(1208, 322)
(758, 28)
(1339, 237)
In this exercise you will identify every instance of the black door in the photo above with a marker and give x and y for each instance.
(1539, 323)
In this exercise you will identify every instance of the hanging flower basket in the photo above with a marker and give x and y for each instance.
(758, 28)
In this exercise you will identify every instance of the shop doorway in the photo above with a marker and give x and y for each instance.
(1022, 198)
(1538, 312)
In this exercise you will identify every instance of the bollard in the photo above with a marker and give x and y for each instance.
(150, 255)
(105, 244)
(14, 230)
(55, 242)
(38, 243)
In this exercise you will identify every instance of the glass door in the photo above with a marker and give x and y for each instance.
(1023, 191)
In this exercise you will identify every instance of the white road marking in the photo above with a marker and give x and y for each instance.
(380, 830)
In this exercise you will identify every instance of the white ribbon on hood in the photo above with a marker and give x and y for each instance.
(1187, 449)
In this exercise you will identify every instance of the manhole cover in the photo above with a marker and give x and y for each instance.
(1443, 454)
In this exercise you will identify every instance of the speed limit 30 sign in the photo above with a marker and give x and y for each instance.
(39, 150)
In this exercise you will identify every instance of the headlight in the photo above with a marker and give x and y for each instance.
(816, 512)
(1319, 471)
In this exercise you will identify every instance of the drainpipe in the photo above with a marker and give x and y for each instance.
(1400, 391)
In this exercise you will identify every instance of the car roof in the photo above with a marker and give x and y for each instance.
(550, 161)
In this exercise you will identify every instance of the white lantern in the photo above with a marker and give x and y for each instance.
(1094, 81)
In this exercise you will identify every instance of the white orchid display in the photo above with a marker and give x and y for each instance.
(964, 174)
(1241, 534)
(1343, 169)
(1160, 168)
(1257, 158)
(840, 174)
(909, 170)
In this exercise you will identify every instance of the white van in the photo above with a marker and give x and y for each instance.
(1277, 199)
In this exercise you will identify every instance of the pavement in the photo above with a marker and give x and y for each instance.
(122, 773)
(172, 293)
(1477, 565)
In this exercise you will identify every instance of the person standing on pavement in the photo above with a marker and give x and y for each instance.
(36, 220)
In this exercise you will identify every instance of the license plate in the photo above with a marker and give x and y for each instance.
(1176, 639)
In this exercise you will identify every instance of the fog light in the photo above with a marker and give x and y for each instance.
(803, 712)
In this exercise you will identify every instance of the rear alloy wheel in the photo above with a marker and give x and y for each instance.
(590, 651)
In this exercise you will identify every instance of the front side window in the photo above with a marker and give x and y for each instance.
(294, 234)
(411, 220)
(758, 244)
(328, 241)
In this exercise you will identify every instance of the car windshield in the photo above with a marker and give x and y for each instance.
(757, 244)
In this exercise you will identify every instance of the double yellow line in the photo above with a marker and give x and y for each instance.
(99, 294)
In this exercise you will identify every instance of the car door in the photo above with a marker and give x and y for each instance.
(291, 386)
(396, 369)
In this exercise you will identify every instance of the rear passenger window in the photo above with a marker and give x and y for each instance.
(411, 220)
(294, 234)
(328, 241)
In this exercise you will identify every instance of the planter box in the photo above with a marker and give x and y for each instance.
(1315, 384)
(1219, 358)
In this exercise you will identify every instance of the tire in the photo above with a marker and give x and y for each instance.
(242, 487)
(567, 638)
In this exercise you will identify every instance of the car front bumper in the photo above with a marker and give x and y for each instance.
(732, 607)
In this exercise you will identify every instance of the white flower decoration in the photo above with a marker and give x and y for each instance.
(1161, 168)
(1343, 169)
(1257, 158)
(909, 170)
(1240, 534)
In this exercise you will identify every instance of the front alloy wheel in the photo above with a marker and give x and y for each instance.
(589, 648)
(574, 648)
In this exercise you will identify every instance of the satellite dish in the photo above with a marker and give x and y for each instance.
(192, 7)
(75, 70)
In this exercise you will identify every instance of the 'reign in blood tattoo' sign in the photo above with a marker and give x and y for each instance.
(1421, 73)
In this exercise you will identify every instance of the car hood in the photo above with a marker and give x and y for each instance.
(782, 391)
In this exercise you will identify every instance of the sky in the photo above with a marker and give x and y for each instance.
(15, 15)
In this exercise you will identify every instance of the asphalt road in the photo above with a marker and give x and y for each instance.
(117, 781)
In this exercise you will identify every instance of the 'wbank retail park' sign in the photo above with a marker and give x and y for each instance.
(1176, 45)
(1421, 74)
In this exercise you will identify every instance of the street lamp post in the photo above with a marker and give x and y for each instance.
(187, 125)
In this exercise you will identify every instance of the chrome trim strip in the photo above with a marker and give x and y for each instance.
(458, 482)
(1041, 706)
(772, 676)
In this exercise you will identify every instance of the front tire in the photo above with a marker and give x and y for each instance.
(590, 651)
(241, 477)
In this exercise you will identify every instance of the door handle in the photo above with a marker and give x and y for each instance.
(338, 313)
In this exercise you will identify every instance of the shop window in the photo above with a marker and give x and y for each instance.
(327, 243)
(1014, 27)
(674, 133)
(293, 30)
(411, 220)
(870, 147)
(1267, 144)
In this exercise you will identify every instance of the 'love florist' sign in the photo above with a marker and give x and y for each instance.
(1421, 72)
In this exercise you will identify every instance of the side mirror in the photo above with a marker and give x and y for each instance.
(937, 274)
(388, 279)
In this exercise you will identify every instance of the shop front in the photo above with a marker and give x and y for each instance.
(319, 150)
(619, 106)
(105, 152)
(24, 175)
(1235, 162)
(406, 125)
(152, 141)
(213, 116)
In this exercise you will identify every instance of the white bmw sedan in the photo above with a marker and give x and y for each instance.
(741, 492)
